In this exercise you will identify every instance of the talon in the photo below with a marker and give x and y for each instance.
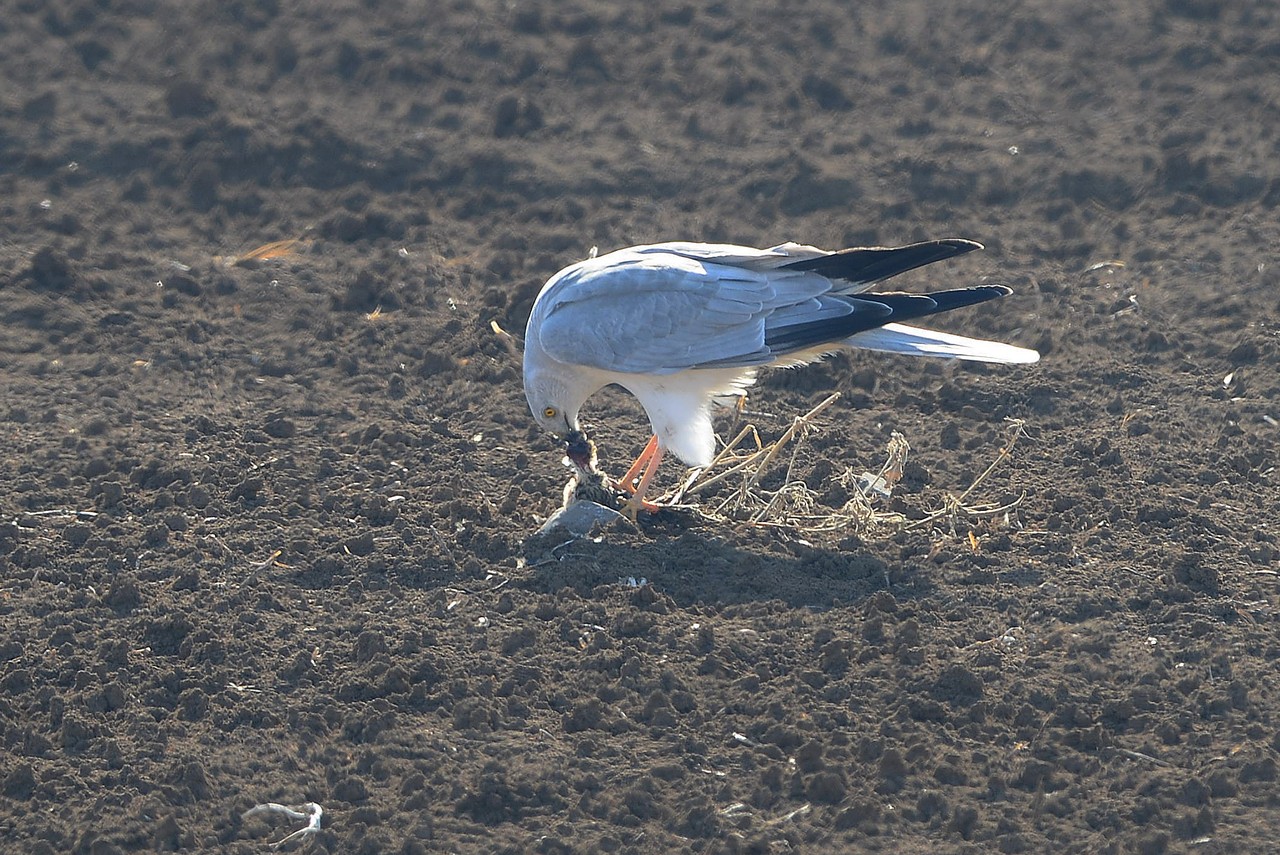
(633, 506)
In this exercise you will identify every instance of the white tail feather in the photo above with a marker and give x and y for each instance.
(900, 338)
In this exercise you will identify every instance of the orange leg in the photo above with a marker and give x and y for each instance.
(637, 467)
(646, 467)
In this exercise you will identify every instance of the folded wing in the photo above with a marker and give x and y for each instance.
(667, 308)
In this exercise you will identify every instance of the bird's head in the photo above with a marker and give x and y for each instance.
(554, 406)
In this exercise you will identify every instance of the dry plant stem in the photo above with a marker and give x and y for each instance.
(1138, 755)
(803, 491)
(774, 448)
(953, 510)
(761, 461)
(1017, 432)
(679, 494)
(954, 505)
(792, 505)
(796, 423)
(786, 482)
(748, 431)
(509, 341)
(252, 575)
(740, 465)
(896, 461)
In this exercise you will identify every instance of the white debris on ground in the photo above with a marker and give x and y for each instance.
(310, 811)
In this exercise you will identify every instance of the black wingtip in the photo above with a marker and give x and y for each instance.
(868, 264)
(961, 297)
(894, 308)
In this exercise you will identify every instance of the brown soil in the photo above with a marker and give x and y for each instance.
(262, 532)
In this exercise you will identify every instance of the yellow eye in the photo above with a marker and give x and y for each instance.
(550, 412)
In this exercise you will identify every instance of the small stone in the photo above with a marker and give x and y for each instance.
(580, 518)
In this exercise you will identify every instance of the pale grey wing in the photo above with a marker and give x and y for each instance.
(667, 312)
(658, 318)
(732, 255)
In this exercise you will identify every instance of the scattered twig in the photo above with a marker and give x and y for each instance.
(1017, 431)
(802, 421)
(803, 810)
(252, 575)
(1138, 755)
(275, 249)
(509, 341)
(796, 424)
(753, 466)
(748, 431)
(954, 506)
(795, 506)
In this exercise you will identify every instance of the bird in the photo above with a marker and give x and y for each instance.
(684, 326)
(587, 482)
